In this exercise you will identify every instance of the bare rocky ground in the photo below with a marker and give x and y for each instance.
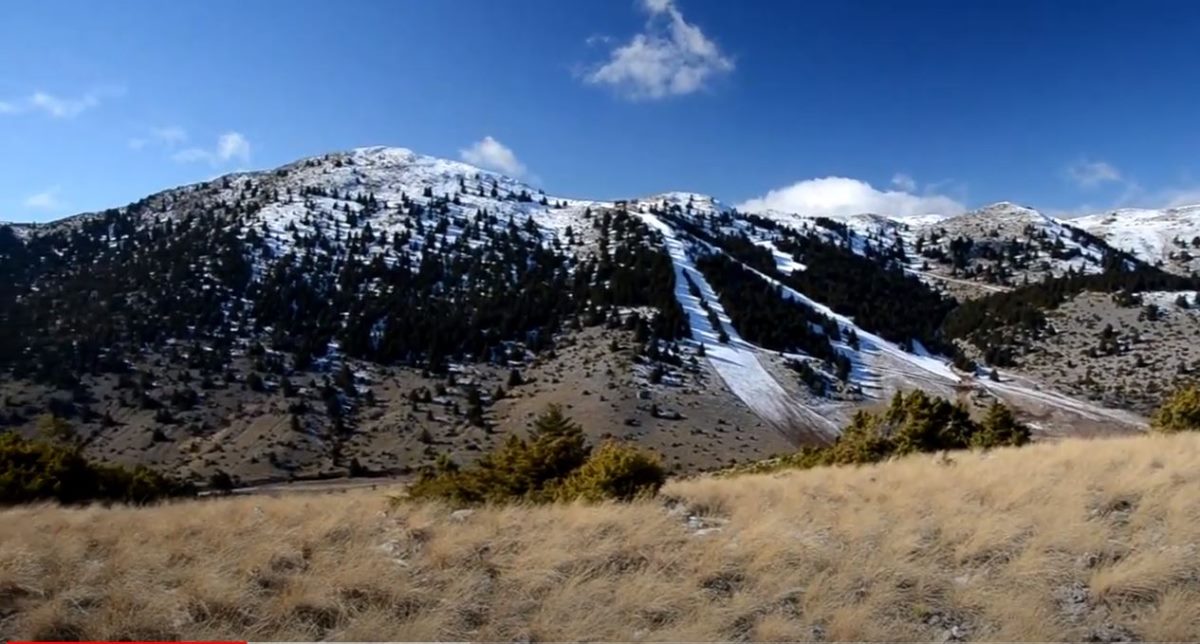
(1144, 357)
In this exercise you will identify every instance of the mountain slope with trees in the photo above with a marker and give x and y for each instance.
(352, 311)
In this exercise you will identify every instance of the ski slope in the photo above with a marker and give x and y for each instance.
(869, 343)
(735, 361)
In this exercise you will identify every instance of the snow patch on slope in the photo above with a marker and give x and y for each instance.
(735, 361)
(869, 343)
(1148, 234)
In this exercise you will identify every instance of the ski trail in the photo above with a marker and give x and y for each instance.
(735, 361)
(942, 278)
(869, 343)
(1083, 409)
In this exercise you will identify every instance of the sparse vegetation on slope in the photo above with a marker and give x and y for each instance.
(992, 323)
(1074, 540)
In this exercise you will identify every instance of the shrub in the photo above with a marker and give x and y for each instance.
(1179, 412)
(999, 428)
(553, 464)
(615, 471)
(36, 471)
(915, 422)
(519, 469)
(55, 429)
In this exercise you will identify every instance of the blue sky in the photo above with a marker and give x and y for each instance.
(893, 106)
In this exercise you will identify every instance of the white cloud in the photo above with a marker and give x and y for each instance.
(192, 155)
(493, 155)
(45, 200)
(671, 57)
(1174, 197)
(168, 136)
(841, 196)
(904, 182)
(57, 106)
(1089, 174)
(231, 146)
(63, 107)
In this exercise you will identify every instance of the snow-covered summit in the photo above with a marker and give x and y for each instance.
(1154, 235)
(392, 171)
(694, 202)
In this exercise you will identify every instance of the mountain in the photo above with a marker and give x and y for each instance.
(1168, 237)
(363, 312)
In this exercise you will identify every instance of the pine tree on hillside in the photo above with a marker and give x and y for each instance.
(557, 446)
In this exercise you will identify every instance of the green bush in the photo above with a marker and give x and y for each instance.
(553, 464)
(999, 429)
(1180, 412)
(915, 422)
(38, 471)
(615, 471)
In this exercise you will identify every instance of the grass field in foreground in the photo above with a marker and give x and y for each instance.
(1073, 540)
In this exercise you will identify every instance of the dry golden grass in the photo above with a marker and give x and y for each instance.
(1074, 540)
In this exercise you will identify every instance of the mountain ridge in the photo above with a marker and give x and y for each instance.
(403, 157)
(368, 307)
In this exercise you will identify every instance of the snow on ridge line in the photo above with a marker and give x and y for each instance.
(735, 361)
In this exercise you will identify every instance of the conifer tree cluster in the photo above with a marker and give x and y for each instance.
(419, 281)
(554, 464)
(912, 423)
(869, 285)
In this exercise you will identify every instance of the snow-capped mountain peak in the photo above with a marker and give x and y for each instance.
(1167, 236)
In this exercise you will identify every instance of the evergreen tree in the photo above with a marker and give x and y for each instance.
(1179, 412)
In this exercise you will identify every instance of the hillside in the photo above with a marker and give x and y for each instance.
(1076, 540)
(1002, 246)
(364, 311)
(1169, 237)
